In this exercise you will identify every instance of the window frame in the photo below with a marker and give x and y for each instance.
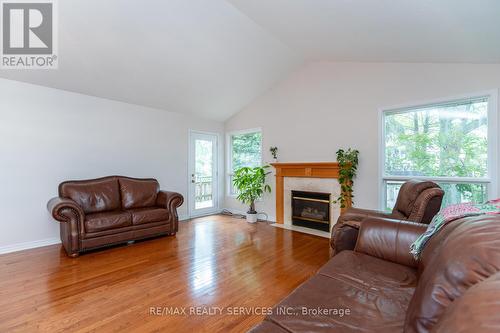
(229, 155)
(491, 181)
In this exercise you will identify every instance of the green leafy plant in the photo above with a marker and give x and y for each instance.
(251, 185)
(274, 152)
(348, 166)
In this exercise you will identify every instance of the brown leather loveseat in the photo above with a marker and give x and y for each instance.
(110, 210)
(418, 201)
(454, 287)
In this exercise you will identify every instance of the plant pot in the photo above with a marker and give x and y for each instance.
(251, 217)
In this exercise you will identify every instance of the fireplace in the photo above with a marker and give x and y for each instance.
(311, 210)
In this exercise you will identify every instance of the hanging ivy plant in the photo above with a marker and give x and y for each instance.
(348, 166)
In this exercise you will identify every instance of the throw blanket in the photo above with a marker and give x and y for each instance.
(452, 213)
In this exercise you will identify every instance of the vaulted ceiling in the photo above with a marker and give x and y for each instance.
(202, 57)
(383, 30)
(211, 58)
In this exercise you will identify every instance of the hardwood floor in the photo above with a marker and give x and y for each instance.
(215, 261)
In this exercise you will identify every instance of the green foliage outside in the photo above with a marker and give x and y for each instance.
(444, 141)
(246, 150)
(203, 158)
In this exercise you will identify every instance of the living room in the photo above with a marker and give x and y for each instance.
(260, 166)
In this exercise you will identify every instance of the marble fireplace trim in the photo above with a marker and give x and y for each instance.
(324, 185)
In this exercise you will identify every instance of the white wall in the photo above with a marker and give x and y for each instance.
(48, 136)
(325, 106)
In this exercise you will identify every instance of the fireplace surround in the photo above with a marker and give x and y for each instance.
(311, 210)
(321, 177)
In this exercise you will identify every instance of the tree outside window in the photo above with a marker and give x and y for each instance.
(245, 150)
(447, 143)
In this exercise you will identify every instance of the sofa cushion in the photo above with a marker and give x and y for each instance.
(107, 220)
(375, 291)
(98, 195)
(148, 215)
(381, 276)
(460, 255)
(138, 193)
(344, 306)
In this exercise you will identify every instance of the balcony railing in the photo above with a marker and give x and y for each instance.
(203, 189)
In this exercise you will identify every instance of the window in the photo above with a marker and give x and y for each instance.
(450, 143)
(244, 149)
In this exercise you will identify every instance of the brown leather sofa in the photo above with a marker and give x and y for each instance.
(110, 210)
(418, 201)
(454, 287)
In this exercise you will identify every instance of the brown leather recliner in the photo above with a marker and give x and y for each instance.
(110, 210)
(379, 287)
(418, 201)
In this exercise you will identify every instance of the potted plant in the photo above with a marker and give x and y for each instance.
(274, 152)
(348, 166)
(250, 184)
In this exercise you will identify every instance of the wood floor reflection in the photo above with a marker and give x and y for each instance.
(215, 262)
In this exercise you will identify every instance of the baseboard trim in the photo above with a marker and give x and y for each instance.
(187, 217)
(28, 245)
(51, 241)
(235, 211)
(261, 215)
(44, 242)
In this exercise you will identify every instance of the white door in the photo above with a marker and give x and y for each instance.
(202, 173)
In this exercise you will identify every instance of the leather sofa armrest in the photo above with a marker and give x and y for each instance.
(64, 209)
(72, 217)
(355, 215)
(345, 231)
(389, 239)
(171, 201)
